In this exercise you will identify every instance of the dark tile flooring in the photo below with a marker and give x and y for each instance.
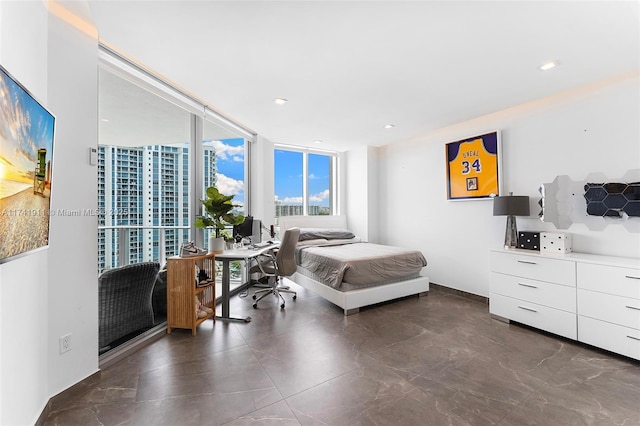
(434, 360)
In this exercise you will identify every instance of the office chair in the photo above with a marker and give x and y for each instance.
(282, 264)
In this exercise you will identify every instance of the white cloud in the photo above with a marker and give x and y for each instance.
(295, 200)
(227, 152)
(316, 198)
(228, 186)
(320, 196)
(312, 176)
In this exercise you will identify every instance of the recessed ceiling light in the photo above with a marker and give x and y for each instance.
(317, 141)
(548, 66)
(280, 101)
(389, 126)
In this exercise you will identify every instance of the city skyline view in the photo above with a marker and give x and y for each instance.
(288, 176)
(152, 185)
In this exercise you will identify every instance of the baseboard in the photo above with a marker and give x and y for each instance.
(63, 398)
(138, 342)
(444, 289)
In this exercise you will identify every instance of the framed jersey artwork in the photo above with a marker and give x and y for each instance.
(473, 168)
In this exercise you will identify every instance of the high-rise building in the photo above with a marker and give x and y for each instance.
(288, 209)
(297, 210)
(145, 190)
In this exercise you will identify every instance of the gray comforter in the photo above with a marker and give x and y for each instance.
(334, 262)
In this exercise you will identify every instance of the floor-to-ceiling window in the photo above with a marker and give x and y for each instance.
(224, 167)
(320, 184)
(304, 182)
(159, 149)
(143, 174)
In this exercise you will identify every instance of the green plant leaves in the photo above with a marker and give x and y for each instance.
(219, 209)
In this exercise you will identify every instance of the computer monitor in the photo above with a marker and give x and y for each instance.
(251, 228)
(245, 229)
(256, 234)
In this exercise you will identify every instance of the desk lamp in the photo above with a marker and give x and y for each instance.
(511, 206)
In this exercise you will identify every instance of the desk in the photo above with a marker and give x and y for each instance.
(227, 256)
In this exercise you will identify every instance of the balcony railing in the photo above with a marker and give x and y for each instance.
(124, 247)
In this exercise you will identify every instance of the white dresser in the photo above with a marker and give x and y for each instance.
(591, 298)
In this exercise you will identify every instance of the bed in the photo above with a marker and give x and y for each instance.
(398, 271)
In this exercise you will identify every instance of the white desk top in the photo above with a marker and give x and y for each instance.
(245, 252)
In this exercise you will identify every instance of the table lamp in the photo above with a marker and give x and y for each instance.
(511, 206)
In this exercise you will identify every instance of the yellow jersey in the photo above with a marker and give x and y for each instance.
(473, 172)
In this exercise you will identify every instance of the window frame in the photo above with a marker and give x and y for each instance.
(112, 60)
(334, 204)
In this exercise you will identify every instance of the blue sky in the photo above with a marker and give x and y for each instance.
(230, 163)
(288, 177)
(288, 173)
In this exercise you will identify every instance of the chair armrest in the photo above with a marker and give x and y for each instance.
(266, 258)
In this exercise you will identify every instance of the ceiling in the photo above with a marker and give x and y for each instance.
(348, 68)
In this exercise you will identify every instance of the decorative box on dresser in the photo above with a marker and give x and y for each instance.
(591, 298)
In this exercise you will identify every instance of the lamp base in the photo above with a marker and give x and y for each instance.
(511, 233)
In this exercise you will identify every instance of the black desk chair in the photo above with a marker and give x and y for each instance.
(275, 266)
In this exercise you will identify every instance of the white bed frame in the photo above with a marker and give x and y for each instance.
(349, 301)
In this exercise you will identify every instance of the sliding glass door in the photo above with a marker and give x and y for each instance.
(159, 149)
(143, 174)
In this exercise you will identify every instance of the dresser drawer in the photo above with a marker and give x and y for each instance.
(609, 279)
(538, 316)
(614, 338)
(542, 293)
(539, 268)
(607, 307)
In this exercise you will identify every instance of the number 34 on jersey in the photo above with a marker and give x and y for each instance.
(472, 167)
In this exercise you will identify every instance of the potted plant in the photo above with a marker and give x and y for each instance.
(228, 239)
(219, 215)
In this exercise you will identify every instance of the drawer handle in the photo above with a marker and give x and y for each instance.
(527, 309)
(527, 285)
(527, 262)
(634, 338)
(632, 277)
(633, 307)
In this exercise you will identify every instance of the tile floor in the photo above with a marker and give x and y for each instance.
(434, 360)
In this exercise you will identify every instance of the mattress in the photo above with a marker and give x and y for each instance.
(352, 264)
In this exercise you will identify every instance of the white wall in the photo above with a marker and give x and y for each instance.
(24, 281)
(362, 199)
(262, 185)
(54, 291)
(591, 129)
(73, 252)
(355, 175)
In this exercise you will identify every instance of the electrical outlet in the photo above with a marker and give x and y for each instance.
(65, 343)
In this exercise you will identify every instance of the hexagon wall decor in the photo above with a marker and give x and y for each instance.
(596, 201)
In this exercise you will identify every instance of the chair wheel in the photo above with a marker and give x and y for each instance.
(295, 297)
(255, 306)
(282, 306)
(254, 297)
